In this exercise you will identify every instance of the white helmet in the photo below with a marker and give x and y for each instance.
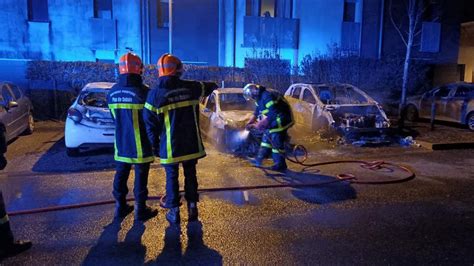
(251, 91)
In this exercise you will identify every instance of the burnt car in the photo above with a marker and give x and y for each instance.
(89, 121)
(223, 116)
(452, 103)
(340, 107)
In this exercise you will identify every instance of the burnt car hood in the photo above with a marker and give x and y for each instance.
(357, 116)
(236, 119)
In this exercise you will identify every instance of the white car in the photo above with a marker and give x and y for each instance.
(89, 121)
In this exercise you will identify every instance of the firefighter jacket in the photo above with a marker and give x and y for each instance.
(172, 118)
(126, 101)
(272, 105)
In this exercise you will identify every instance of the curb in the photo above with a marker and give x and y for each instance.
(446, 146)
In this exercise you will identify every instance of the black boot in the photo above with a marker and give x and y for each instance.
(280, 162)
(122, 210)
(173, 215)
(144, 213)
(192, 211)
(15, 248)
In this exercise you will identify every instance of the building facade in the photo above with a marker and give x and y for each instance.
(219, 32)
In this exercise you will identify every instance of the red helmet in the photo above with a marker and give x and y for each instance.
(169, 65)
(130, 64)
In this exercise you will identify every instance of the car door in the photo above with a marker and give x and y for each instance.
(11, 115)
(439, 98)
(294, 101)
(308, 104)
(207, 112)
(457, 104)
(23, 106)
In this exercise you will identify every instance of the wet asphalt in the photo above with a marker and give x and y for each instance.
(427, 220)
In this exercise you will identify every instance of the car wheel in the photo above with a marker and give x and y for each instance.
(31, 124)
(411, 113)
(470, 121)
(72, 152)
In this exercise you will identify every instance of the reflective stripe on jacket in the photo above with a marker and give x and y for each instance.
(276, 109)
(172, 118)
(126, 101)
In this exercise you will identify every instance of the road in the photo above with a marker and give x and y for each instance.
(427, 220)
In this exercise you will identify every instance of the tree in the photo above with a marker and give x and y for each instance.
(408, 32)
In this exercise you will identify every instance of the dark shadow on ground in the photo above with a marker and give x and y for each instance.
(334, 191)
(196, 253)
(93, 159)
(108, 251)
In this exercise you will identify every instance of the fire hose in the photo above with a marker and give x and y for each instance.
(300, 160)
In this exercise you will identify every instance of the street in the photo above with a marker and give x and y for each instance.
(426, 220)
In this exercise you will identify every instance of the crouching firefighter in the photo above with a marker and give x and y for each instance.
(171, 118)
(275, 118)
(126, 101)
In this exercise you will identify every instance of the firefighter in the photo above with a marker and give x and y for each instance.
(171, 118)
(126, 101)
(8, 246)
(275, 118)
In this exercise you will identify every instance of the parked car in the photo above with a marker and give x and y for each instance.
(335, 106)
(452, 102)
(16, 111)
(223, 116)
(89, 121)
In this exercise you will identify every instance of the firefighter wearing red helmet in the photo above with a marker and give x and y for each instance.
(171, 118)
(126, 101)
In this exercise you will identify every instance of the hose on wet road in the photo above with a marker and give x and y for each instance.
(299, 156)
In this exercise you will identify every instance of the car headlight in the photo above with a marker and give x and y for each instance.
(74, 114)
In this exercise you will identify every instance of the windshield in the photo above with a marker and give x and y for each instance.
(340, 95)
(235, 102)
(94, 99)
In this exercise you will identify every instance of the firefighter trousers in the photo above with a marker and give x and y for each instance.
(172, 184)
(6, 235)
(140, 190)
(274, 143)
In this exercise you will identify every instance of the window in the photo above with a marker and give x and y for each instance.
(163, 14)
(103, 9)
(442, 92)
(349, 11)
(16, 91)
(38, 10)
(308, 97)
(267, 8)
(296, 92)
(7, 95)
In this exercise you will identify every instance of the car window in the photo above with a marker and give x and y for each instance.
(443, 92)
(211, 103)
(6, 94)
(94, 99)
(235, 101)
(463, 91)
(16, 91)
(308, 97)
(296, 92)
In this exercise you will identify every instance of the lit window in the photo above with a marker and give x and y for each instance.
(163, 13)
(38, 10)
(103, 9)
(267, 8)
